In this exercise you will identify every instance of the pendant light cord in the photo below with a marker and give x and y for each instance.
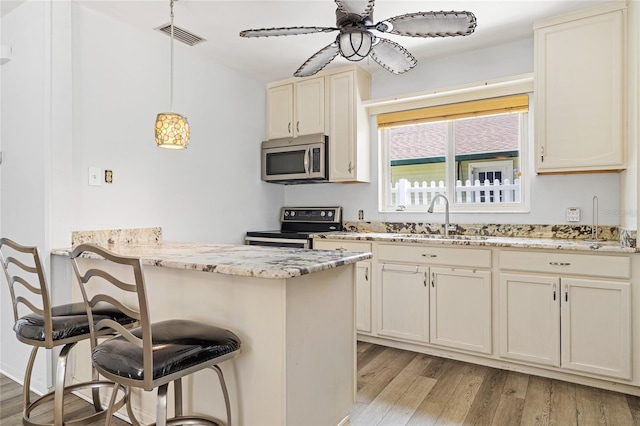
(171, 87)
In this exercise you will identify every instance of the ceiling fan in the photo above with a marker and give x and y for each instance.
(354, 20)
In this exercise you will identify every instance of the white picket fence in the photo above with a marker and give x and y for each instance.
(403, 193)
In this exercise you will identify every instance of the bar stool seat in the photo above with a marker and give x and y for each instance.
(177, 345)
(68, 321)
(154, 354)
(46, 326)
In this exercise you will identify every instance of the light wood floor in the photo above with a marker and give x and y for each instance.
(397, 387)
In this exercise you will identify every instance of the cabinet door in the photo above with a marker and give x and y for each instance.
(363, 297)
(596, 327)
(460, 309)
(530, 318)
(580, 110)
(363, 279)
(280, 111)
(404, 302)
(342, 124)
(309, 106)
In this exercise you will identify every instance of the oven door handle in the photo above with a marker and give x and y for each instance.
(307, 160)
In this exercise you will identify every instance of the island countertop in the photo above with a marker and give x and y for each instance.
(242, 260)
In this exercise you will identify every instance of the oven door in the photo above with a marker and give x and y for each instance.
(294, 162)
(278, 242)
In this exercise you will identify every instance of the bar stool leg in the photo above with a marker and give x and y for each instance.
(110, 409)
(177, 397)
(26, 391)
(224, 392)
(61, 371)
(161, 408)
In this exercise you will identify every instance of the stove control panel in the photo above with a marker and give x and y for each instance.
(311, 214)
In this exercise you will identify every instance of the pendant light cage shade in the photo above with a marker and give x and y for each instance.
(172, 131)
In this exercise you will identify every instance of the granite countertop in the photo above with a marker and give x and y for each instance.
(487, 241)
(243, 260)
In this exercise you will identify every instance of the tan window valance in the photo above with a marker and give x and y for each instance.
(516, 103)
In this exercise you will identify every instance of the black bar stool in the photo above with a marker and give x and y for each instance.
(154, 354)
(46, 326)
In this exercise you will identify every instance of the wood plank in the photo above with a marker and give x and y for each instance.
(464, 395)
(383, 370)
(516, 384)
(509, 411)
(484, 406)
(563, 409)
(537, 404)
(366, 356)
(616, 409)
(590, 406)
(634, 407)
(435, 402)
(394, 391)
(409, 402)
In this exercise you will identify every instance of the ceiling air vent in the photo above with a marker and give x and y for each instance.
(181, 35)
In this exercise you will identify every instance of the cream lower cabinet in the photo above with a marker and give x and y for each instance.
(574, 323)
(404, 302)
(460, 309)
(364, 277)
(423, 300)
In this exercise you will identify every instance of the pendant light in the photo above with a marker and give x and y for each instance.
(172, 129)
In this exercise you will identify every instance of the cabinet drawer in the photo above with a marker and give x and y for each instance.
(595, 265)
(468, 257)
(342, 245)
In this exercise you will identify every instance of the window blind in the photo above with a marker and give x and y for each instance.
(515, 103)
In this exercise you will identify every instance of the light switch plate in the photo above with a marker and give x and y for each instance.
(95, 176)
(573, 214)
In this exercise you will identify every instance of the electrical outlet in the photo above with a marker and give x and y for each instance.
(573, 214)
(95, 176)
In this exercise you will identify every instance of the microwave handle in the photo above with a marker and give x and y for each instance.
(307, 156)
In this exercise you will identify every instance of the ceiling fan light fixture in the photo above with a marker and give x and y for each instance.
(355, 45)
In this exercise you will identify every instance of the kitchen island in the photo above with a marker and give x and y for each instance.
(293, 309)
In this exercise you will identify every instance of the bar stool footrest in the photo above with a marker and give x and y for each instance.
(26, 420)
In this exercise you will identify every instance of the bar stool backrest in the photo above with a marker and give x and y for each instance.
(130, 280)
(27, 284)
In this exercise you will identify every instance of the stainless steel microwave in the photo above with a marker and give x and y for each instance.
(296, 160)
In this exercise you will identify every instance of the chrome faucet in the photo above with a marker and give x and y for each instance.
(446, 213)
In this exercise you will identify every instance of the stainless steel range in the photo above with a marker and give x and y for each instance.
(296, 224)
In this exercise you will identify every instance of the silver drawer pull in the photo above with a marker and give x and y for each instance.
(429, 255)
(341, 249)
(559, 263)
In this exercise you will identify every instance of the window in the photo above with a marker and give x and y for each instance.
(471, 152)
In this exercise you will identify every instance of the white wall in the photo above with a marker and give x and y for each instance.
(25, 117)
(550, 195)
(212, 191)
(83, 90)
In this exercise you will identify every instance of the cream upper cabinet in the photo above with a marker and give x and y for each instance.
(349, 152)
(296, 109)
(580, 102)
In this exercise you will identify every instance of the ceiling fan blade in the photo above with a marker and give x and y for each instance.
(392, 57)
(318, 61)
(272, 32)
(362, 8)
(430, 24)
